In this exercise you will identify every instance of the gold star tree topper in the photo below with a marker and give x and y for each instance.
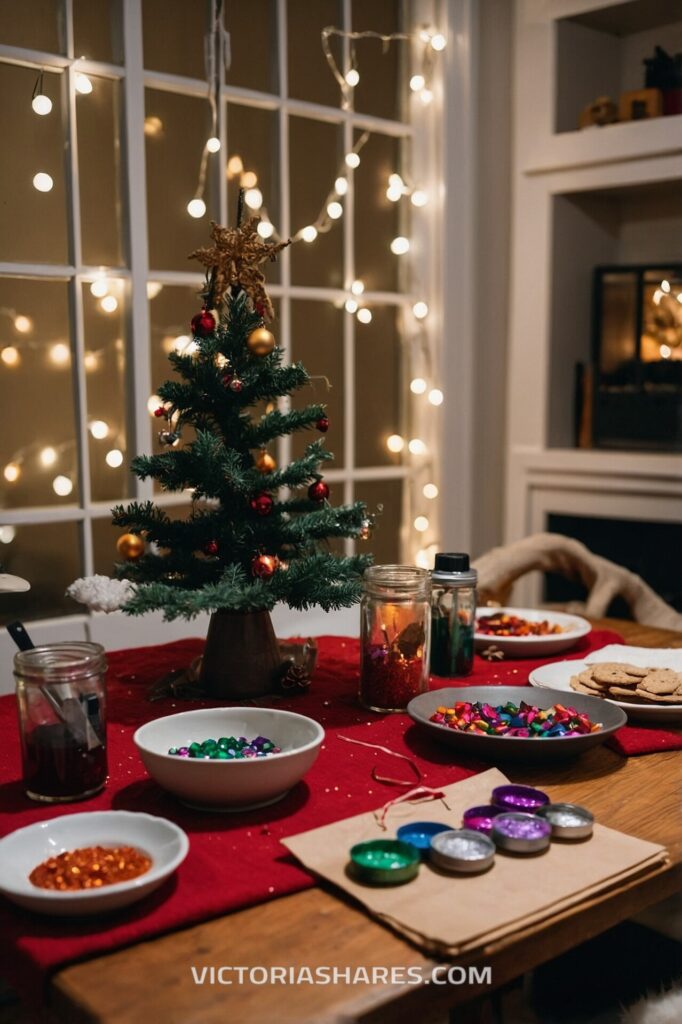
(234, 259)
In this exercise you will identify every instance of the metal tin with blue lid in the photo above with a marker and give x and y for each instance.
(462, 850)
(420, 833)
(384, 861)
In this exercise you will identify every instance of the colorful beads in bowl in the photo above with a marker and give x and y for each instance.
(521, 720)
(227, 748)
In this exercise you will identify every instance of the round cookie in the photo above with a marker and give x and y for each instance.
(662, 682)
(611, 672)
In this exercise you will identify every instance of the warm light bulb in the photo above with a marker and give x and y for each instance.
(10, 356)
(438, 42)
(12, 472)
(430, 491)
(62, 486)
(153, 126)
(352, 160)
(213, 144)
(234, 166)
(99, 288)
(84, 87)
(352, 77)
(426, 96)
(421, 524)
(60, 354)
(351, 306)
(7, 534)
(395, 443)
(364, 315)
(658, 295)
(665, 351)
(42, 182)
(436, 396)
(341, 186)
(417, 83)
(334, 210)
(400, 245)
(395, 181)
(309, 233)
(99, 429)
(114, 458)
(48, 457)
(196, 208)
(253, 197)
(422, 559)
(418, 386)
(393, 193)
(249, 179)
(357, 287)
(417, 446)
(420, 310)
(153, 403)
(41, 104)
(266, 229)
(665, 286)
(91, 361)
(109, 304)
(153, 289)
(23, 324)
(419, 198)
(183, 344)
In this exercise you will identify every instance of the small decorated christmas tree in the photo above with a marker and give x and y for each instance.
(257, 533)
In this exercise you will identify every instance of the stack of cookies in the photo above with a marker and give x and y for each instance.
(630, 683)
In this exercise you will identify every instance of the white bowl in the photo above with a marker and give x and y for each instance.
(229, 785)
(573, 628)
(23, 850)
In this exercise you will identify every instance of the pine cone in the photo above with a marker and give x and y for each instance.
(294, 678)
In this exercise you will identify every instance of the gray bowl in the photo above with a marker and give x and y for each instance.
(516, 748)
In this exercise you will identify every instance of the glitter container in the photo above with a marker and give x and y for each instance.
(420, 833)
(521, 833)
(481, 818)
(384, 861)
(519, 798)
(462, 849)
(568, 821)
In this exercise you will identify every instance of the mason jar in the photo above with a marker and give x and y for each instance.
(453, 619)
(395, 632)
(61, 699)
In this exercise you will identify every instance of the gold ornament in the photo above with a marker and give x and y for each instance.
(265, 462)
(260, 342)
(130, 546)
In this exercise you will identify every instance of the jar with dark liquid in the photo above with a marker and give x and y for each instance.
(61, 699)
(453, 615)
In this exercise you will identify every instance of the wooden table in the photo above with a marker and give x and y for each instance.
(152, 982)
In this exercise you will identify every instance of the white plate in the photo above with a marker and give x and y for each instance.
(557, 676)
(21, 851)
(534, 646)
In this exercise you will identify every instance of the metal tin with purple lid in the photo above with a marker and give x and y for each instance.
(481, 818)
(521, 833)
(462, 850)
(568, 821)
(420, 833)
(523, 799)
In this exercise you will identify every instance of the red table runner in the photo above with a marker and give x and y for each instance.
(235, 860)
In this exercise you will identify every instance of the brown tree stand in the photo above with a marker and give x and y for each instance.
(241, 658)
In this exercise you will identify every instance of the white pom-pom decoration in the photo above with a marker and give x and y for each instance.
(101, 593)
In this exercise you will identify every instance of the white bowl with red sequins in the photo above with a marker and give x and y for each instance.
(234, 785)
(23, 850)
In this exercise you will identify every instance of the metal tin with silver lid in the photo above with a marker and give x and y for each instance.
(568, 821)
(453, 614)
(462, 850)
(521, 833)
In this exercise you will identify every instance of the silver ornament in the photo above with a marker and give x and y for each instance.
(169, 437)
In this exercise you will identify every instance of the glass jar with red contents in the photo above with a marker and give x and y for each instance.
(395, 635)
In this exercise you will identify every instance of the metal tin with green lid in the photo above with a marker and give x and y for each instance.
(384, 861)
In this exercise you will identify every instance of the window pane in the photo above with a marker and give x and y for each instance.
(173, 34)
(378, 92)
(317, 341)
(99, 173)
(105, 359)
(310, 77)
(97, 30)
(253, 162)
(315, 150)
(35, 26)
(254, 65)
(49, 557)
(385, 540)
(377, 219)
(37, 444)
(378, 387)
(173, 154)
(32, 222)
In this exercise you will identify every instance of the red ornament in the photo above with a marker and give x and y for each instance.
(264, 566)
(260, 308)
(211, 548)
(319, 491)
(322, 425)
(203, 324)
(262, 504)
(160, 411)
(236, 384)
